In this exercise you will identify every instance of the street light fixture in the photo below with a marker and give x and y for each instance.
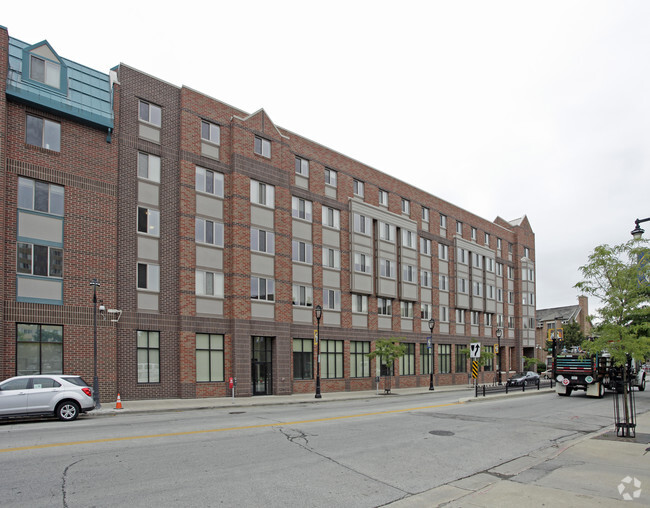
(499, 335)
(432, 323)
(94, 283)
(637, 232)
(319, 312)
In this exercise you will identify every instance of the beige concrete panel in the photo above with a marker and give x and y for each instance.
(209, 257)
(150, 133)
(148, 193)
(208, 206)
(148, 248)
(40, 227)
(147, 301)
(206, 305)
(27, 287)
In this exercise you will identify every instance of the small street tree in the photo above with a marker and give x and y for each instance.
(572, 335)
(388, 350)
(614, 275)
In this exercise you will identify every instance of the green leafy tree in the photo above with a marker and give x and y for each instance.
(573, 336)
(388, 350)
(614, 275)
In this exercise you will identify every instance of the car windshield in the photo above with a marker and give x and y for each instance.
(75, 380)
(520, 374)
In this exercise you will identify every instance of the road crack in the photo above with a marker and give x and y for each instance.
(63, 483)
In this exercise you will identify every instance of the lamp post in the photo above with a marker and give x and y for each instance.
(637, 232)
(319, 312)
(94, 283)
(499, 335)
(432, 323)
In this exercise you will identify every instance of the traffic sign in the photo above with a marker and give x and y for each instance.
(474, 369)
(475, 350)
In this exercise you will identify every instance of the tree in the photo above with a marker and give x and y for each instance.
(388, 350)
(614, 275)
(572, 335)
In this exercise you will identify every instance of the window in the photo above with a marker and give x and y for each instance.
(45, 71)
(209, 283)
(478, 260)
(477, 289)
(425, 278)
(331, 258)
(406, 309)
(262, 241)
(425, 358)
(408, 239)
(443, 221)
(499, 243)
(500, 320)
(262, 147)
(301, 208)
(461, 358)
(462, 255)
(383, 197)
(40, 196)
(387, 268)
(443, 252)
(511, 272)
(208, 231)
(384, 306)
(499, 295)
(475, 317)
(331, 217)
(361, 224)
(362, 262)
(462, 285)
(489, 264)
(426, 311)
(386, 232)
(262, 194)
(303, 355)
(148, 354)
(511, 297)
(444, 358)
(524, 299)
(489, 318)
(39, 349)
(406, 206)
(209, 182)
(358, 188)
(209, 357)
(41, 260)
(332, 358)
(459, 227)
(526, 252)
(303, 296)
(360, 304)
(148, 276)
(531, 298)
(262, 289)
(489, 291)
(425, 246)
(301, 252)
(444, 314)
(487, 238)
(489, 360)
(409, 273)
(150, 113)
(211, 132)
(302, 167)
(425, 214)
(531, 275)
(332, 299)
(474, 234)
(331, 178)
(500, 269)
(149, 167)
(359, 361)
(43, 133)
(509, 248)
(148, 221)
(407, 360)
(443, 282)
(511, 321)
(460, 316)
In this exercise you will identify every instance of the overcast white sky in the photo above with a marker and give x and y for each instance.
(537, 108)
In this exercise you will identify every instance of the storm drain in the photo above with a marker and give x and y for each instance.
(441, 432)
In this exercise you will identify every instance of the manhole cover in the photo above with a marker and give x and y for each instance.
(441, 432)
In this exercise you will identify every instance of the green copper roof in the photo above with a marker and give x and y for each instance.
(84, 94)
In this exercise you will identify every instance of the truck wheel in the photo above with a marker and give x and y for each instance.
(642, 385)
(601, 390)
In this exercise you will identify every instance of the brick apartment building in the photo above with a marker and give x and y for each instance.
(214, 234)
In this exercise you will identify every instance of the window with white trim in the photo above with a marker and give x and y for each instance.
(406, 206)
(478, 260)
(331, 177)
(443, 252)
(302, 296)
(386, 232)
(149, 167)
(409, 273)
(301, 208)
(360, 304)
(425, 246)
(331, 217)
(331, 258)
(462, 255)
(302, 167)
(262, 241)
(462, 285)
(460, 316)
(209, 283)
(406, 309)
(443, 282)
(358, 188)
(444, 314)
(43, 133)
(384, 306)
(150, 113)
(383, 197)
(262, 147)
(209, 182)
(408, 239)
(45, 71)
(474, 234)
(476, 317)
(148, 276)
(209, 357)
(459, 227)
(262, 194)
(148, 221)
(301, 252)
(362, 262)
(426, 311)
(262, 289)
(425, 214)
(210, 132)
(209, 232)
(478, 289)
(361, 224)
(387, 268)
(425, 278)
(443, 221)
(331, 299)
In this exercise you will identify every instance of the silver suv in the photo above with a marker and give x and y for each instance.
(45, 394)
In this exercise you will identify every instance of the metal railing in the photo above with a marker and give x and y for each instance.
(504, 388)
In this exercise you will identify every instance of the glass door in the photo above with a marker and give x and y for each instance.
(262, 366)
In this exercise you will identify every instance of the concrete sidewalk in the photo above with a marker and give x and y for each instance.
(598, 469)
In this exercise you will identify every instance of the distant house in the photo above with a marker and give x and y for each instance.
(554, 318)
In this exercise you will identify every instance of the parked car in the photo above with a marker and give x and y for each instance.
(62, 396)
(524, 378)
(547, 374)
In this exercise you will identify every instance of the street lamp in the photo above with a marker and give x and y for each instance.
(637, 232)
(432, 323)
(94, 283)
(319, 312)
(499, 335)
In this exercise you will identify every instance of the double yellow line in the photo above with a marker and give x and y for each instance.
(225, 429)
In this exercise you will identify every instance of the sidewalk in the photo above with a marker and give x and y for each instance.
(594, 470)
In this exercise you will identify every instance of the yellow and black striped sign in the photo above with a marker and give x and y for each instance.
(474, 369)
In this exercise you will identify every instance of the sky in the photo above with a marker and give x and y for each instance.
(503, 108)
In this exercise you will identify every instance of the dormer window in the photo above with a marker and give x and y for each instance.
(45, 71)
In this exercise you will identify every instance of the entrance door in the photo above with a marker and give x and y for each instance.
(262, 366)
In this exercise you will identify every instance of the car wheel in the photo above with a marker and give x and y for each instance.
(67, 410)
(601, 390)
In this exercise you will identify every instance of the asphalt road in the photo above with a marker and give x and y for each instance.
(357, 453)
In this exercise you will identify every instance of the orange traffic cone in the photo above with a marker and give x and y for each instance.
(118, 404)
